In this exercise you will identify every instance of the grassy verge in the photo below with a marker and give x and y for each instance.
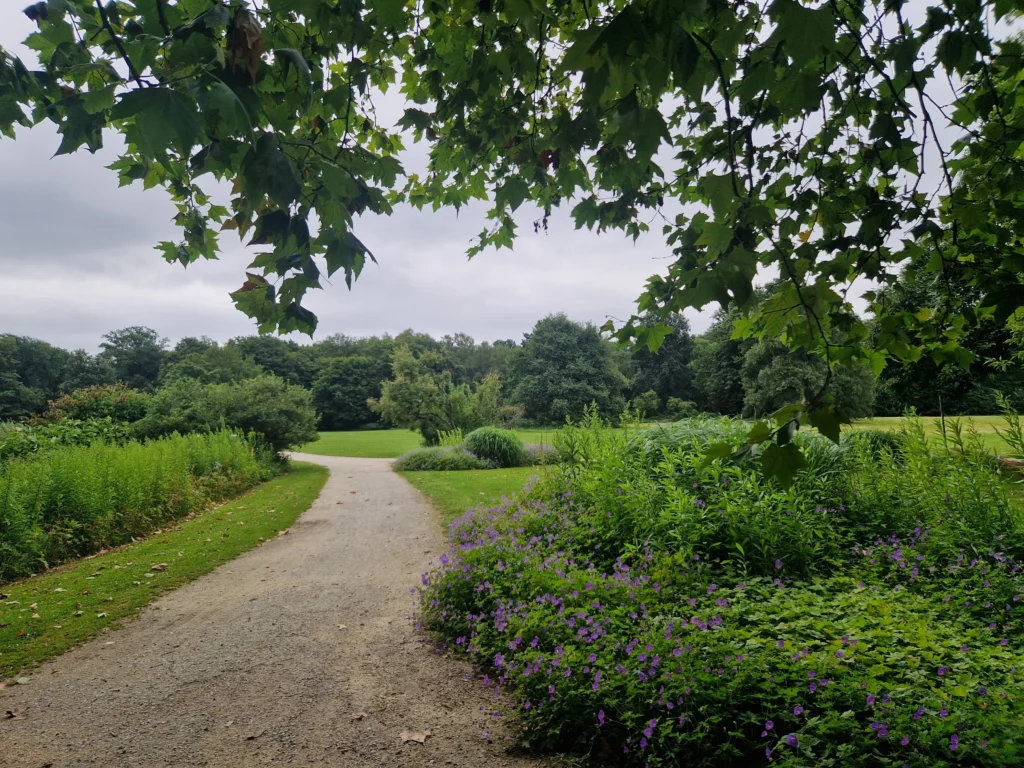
(452, 493)
(391, 443)
(43, 616)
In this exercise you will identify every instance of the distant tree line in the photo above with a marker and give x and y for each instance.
(557, 369)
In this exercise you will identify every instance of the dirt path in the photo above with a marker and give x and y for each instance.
(248, 665)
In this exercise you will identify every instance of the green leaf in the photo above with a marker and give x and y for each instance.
(164, 117)
(230, 111)
(826, 421)
(346, 252)
(292, 58)
(268, 171)
(782, 462)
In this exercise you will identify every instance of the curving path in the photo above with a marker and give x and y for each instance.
(248, 665)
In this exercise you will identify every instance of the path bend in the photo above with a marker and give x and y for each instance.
(248, 666)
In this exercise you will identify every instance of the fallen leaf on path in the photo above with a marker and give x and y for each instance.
(13, 714)
(285, 532)
(23, 680)
(341, 626)
(35, 615)
(420, 737)
(158, 567)
(351, 491)
(33, 606)
(254, 736)
(101, 615)
(359, 715)
(59, 589)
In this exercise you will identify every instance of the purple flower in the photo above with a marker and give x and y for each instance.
(791, 740)
(871, 699)
(1004, 641)
(778, 563)
(798, 710)
(839, 654)
(768, 725)
(954, 742)
(814, 687)
(782, 643)
(600, 717)
(768, 752)
(904, 741)
(981, 690)
(920, 711)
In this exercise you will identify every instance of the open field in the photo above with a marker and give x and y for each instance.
(45, 615)
(391, 443)
(452, 493)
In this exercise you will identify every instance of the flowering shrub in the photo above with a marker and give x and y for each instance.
(655, 608)
(539, 454)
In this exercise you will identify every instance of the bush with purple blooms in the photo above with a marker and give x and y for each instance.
(655, 608)
(446, 458)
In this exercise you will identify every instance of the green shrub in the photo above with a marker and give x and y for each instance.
(281, 414)
(23, 439)
(877, 442)
(117, 402)
(650, 605)
(538, 454)
(450, 439)
(439, 459)
(678, 409)
(71, 501)
(500, 446)
(647, 403)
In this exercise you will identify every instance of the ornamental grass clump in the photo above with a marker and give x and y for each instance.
(501, 446)
(446, 458)
(670, 610)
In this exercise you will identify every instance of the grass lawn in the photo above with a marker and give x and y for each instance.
(452, 493)
(43, 616)
(984, 425)
(390, 443)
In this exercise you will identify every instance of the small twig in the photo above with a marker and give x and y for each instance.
(132, 72)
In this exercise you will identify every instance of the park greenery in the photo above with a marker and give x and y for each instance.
(646, 603)
(823, 143)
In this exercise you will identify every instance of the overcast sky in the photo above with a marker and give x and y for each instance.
(77, 259)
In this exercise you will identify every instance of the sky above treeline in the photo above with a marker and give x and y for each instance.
(77, 258)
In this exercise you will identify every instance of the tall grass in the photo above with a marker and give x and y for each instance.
(72, 501)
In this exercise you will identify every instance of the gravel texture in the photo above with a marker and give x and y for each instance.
(300, 652)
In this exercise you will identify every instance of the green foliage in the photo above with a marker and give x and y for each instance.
(450, 439)
(71, 501)
(667, 371)
(20, 440)
(500, 446)
(342, 388)
(211, 365)
(780, 138)
(680, 409)
(135, 353)
(447, 458)
(117, 402)
(280, 413)
(563, 367)
(662, 607)
(647, 403)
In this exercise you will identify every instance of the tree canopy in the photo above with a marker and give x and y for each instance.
(824, 141)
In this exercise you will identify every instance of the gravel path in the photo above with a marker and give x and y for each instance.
(249, 665)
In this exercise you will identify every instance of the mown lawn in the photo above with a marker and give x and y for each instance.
(43, 616)
(452, 493)
(985, 426)
(391, 443)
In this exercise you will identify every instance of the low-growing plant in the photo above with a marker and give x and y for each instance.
(24, 439)
(440, 459)
(539, 454)
(649, 605)
(70, 501)
(500, 446)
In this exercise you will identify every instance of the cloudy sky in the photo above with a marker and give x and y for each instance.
(77, 259)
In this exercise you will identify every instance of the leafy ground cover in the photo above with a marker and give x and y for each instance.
(391, 443)
(43, 616)
(647, 605)
(452, 493)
